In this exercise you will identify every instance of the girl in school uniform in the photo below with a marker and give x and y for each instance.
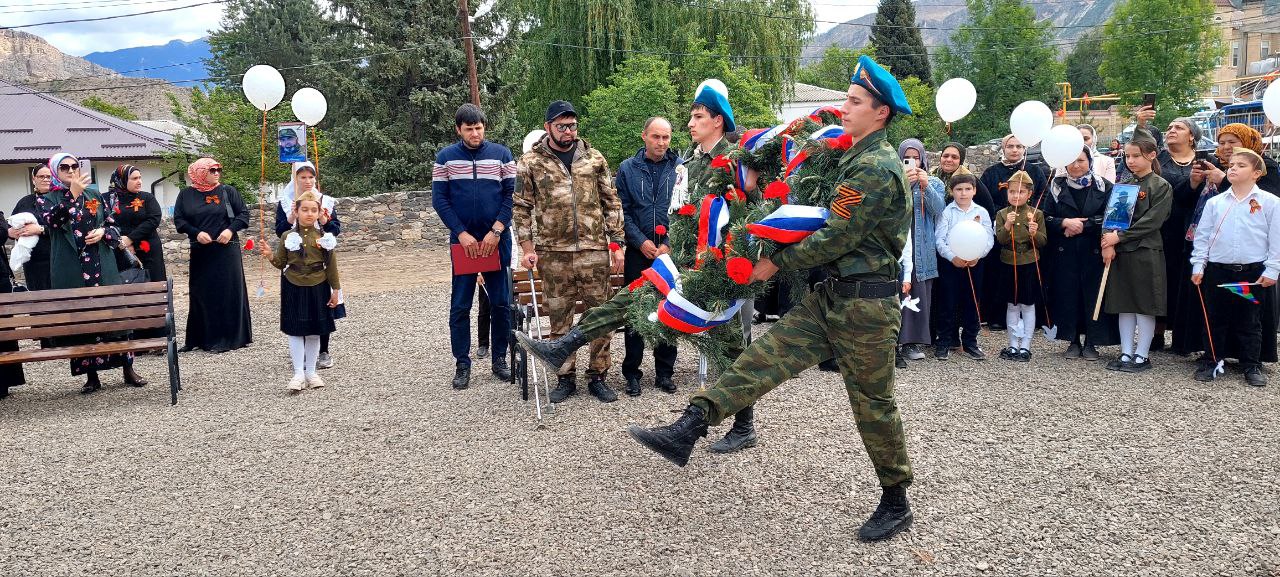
(1136, 289)
(309, 287)
(1021, 234)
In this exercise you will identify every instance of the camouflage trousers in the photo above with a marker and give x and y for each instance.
(861, 335)
(567, 278)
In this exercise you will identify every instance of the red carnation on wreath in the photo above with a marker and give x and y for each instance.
(687, 210)
(720, 162)
(661, 230)
(248, 244)
(842, 142)
(779, 190)
(635, 284)
(719, 254)
(735, 195)
(739, 269)
(144, 246)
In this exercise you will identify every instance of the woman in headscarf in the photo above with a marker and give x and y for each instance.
(1103, 165)
(1178, 166)
(35, 272)
(138, 218)
(83, 238)
(211, 214)
(927, 205)
(304, 178)
(949, 161)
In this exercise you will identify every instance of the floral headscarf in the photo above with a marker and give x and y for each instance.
(1086, 180)
(1249, 137)
(198, 174)
(55, 184)
(120, 178)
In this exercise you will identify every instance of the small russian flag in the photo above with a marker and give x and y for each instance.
(663, 274)
(684, 316)
(790, 223)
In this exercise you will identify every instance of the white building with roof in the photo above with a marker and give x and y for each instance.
(808, 98)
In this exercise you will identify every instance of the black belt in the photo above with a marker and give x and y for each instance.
(1236, 267)
(863, 289)
(306, 268)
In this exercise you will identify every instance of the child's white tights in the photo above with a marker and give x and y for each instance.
(1023, 316)
(1146, 327)
(304, 351)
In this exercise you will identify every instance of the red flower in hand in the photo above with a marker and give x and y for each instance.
(687, 210)
(144, 246)
(739, 269)
(660, 230)
(635, 284)
(116, 209)
(842, 142)
(614, 246)
(720, 162)
(248, 244)
(779, 190)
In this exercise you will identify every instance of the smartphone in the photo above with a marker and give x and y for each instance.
(1202, 156)
(85, 166)
(910, 162)
(1149, 99)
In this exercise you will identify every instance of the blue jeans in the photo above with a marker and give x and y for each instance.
(498, 287)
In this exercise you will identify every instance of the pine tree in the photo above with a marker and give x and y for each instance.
(897, 40)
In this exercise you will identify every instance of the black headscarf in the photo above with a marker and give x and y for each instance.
(956, 145)
(120, 178)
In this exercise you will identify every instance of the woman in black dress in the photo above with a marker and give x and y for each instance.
(35, 272)
(137, 217)
(10, 375)
(210, 214)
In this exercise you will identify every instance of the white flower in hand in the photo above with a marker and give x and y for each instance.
(328, 241)
(293, 241)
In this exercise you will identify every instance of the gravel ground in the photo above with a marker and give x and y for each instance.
(1052, 468)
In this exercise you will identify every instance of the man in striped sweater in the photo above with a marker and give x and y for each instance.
(471, 187)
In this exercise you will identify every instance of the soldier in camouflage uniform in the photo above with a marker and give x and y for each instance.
(854, 316)
(710, 117)
(564, 192)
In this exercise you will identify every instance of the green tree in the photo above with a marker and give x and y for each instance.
(1009, 58)
(835, 68)
(1082, 66)
(570, 48)
(616, 112)
(95, 103)
(924, 122)
(1173, 61)
(898, 41)
(231, 130)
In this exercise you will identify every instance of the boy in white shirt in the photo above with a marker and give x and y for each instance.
(960, 279)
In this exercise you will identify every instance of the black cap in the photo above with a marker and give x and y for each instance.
(560, 108)
(287, 132)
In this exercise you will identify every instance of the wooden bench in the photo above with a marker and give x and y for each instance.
(523, 317)
(92, 310)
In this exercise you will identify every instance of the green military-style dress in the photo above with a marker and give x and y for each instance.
(1136, 283)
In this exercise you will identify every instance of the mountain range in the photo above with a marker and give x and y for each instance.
(175, 62)
(937, 19)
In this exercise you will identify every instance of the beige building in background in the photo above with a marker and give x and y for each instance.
(1250, 35)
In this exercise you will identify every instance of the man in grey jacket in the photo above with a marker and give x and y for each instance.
(644, 183)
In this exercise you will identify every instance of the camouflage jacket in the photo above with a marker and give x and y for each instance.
(698, 164)
(870, 216)
(557, 210)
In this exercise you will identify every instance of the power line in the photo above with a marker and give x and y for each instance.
(100, 18)
(113, 4)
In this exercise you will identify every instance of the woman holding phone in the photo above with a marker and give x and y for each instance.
(1185, 172)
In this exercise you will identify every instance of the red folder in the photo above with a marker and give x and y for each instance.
(463, 264)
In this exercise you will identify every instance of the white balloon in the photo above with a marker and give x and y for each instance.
(955, 99)
(1062, 146)
(1271, 102)
(968, 240)
(263, 86)
(309, 105)
(532, 138)
(1030, 122)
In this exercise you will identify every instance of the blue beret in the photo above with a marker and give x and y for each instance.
(880, 83)
(714, 95)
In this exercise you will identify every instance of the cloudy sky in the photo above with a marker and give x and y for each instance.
(81, 38)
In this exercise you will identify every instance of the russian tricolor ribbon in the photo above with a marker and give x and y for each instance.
(788, 149)
(829, 131)
(740, 176)
(684, 316)
(816, 116)
(790, 223)
(713, 215)
(663, 274)
(795, 163)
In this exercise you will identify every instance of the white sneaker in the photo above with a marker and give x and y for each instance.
(314, 382)
(297, 383)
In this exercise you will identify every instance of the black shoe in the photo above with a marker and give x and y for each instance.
(892, 516)
(462, 377)
(1024, 355)
(501, 369)
(675, 441)
(829, 365)
(566, 386)
(633, 386)
(553, 353)
(665, 383)
(995, 327)
(741, 436)
(482, 351)
(1074, 351)
(133, 379)
(91, 385)
(1009, 354)
(1119, 362)
(1089, 352)
(1157, 343)
(1139, 364)
(941, 353)
(1254, 377)
(898, 360)
(4, 391)
(1206, 373)
(975, 353)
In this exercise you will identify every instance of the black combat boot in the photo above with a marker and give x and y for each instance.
(501, 369)
(892, 516)
(462, 376)
(553, 353)
(601, 391)
(741, 436)
(566, 386)
(665, 383)
(675, 441)
(633, 386)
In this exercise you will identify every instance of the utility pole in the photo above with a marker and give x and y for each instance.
(464, 15)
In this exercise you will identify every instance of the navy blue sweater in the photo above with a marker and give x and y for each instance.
(471, 188)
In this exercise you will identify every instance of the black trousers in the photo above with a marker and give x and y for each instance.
(958, 322)
(664, 356)
(1232, 317)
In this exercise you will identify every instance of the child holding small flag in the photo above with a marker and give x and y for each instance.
(961, 279)
(1237, 246)
(1021, 233)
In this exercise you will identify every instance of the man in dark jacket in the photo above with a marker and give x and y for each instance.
(471, 188)
(644, 183)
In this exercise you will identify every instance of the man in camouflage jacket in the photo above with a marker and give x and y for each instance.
(569, 221)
